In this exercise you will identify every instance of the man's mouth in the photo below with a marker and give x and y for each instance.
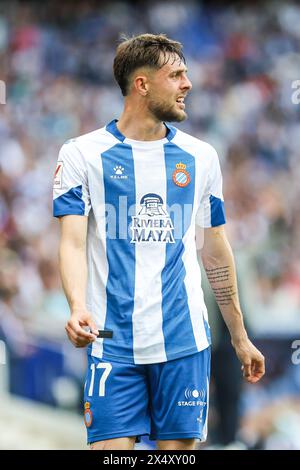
(180, 101)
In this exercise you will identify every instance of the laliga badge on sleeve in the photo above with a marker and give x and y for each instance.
(88, 415)
(58, 175)
(181, 177)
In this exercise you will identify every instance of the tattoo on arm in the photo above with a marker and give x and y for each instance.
(223, 295)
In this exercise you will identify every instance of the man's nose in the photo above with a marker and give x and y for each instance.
(186, 84)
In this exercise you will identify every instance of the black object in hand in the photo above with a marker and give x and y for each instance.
(105, 334)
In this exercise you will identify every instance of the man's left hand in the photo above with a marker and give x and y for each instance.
(253, 362)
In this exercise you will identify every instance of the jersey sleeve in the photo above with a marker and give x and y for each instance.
(211, 212)
(70, 186)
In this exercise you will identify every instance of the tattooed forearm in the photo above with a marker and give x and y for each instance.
(224, 295)
(218, 262)
(217, 276)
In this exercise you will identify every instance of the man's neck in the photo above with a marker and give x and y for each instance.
(138, 125)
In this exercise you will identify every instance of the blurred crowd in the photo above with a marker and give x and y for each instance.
(56, 60)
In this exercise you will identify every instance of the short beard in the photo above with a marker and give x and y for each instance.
(164, 112)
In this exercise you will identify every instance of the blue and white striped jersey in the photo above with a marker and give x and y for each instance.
(143, 200)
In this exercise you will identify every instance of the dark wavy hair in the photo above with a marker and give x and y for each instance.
(151, 50)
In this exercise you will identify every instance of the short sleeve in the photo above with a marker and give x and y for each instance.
(211, 212)
(70, 186)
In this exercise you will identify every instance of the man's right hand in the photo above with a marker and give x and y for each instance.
(78, 336)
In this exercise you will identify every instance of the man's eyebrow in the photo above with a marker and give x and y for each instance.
(179, 70)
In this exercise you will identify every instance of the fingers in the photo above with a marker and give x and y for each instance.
(258, 370)
(77, 334)
(246, 368)
(254, 370)
(75, 340)
(93, 327)
(81, 332)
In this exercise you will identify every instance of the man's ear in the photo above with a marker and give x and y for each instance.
(141, 84)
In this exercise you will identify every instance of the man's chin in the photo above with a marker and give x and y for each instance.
(168, 115)
(180, 117)
(177, 117)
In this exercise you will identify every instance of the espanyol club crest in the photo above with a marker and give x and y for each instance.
(88, 416)
(181, 177)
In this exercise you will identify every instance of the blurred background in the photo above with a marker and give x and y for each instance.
(56, 61)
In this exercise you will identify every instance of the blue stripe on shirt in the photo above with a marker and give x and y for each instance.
(120, 253)
(175, 309)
